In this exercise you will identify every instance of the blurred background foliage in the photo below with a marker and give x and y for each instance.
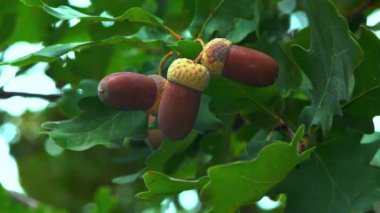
(66, 180)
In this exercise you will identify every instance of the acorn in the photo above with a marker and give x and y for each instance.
(132, 91)
(154, 139)
(248, 66)
(181, 99)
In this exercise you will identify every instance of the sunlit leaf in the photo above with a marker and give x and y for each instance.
(160, 184)
(168, 149)
(187, 49)
(242, 183)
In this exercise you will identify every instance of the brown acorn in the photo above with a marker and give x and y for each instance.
(248, 66)
(131, 91)
(154, 139)
(181, 99)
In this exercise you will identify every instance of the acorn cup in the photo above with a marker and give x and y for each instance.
(239, 63)
(132, 91)
(181, 99)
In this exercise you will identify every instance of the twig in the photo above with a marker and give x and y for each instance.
(208, 18)
(359, 11)
(24, 200)
(201, 42)
(199, 57)
(51, 97)
(162, 62)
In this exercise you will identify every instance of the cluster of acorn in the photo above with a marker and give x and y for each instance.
(176, 100)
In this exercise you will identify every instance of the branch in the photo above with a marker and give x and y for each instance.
(24, 200)
(51, 97)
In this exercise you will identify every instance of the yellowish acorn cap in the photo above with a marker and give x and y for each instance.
(187, 73)
(215, 54)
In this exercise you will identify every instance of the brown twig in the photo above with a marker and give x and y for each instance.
(173, 33)
(162, 62)
(208, 18)
(201, 42)
(51, 97)
(199, 57)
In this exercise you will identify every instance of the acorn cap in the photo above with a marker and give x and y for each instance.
(161, 83)
(185, 72)
(215, 54)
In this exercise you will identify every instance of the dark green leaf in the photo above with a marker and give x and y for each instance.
(206, 120)
(290, 77)
(168, 149)
(68, 104)
(242, 183)
(337, 178)
(160, 184)
(365, 104)
(13, 17)
(97, 125)
(229, 19)
(231, 97)
(329, 64)
(187, 49)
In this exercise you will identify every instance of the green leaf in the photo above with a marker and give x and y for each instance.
(187, 49)
(135, 14)
(68, 104)
(337, 178)
(217, 145)
(290, 77)
(160, 184)
(329, 64)
(229, 97)
(104, 201)
(53, 53)
(14, 15)
(168, 149)
(242, 183)
(206, 120)
(364, 104)
(229, 19)
(132, 15)
(97, 125)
